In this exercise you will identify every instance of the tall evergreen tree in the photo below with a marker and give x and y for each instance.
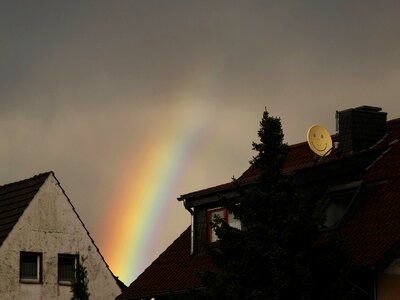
(276, 254)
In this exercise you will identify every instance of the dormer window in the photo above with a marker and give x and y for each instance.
(224, 214)
(339, 202)
(340, 199)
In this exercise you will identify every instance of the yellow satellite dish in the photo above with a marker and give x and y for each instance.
(319, 140)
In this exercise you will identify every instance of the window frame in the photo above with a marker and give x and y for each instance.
(210, 213)
(39, 267)
(75, 257)
(226, 217)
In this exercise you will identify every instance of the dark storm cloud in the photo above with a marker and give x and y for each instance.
(29, 32)
(150, 45)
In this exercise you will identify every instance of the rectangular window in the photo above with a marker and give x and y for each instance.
(30, 270)
(66, 268)
(340, 198)
(220, 212)
(226, 216)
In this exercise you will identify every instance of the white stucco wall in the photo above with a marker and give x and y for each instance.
(50, 226)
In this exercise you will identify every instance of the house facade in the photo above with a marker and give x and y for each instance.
(41, 240)
(361, 180)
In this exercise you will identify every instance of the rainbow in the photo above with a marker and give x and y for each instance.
(140, 207)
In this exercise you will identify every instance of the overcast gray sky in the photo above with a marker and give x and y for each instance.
(87, 87)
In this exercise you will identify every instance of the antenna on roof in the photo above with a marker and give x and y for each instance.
(319, 140)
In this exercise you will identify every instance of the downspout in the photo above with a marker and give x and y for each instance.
(189, 209)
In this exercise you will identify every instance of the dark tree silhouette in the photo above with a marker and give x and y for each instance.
(279, 253)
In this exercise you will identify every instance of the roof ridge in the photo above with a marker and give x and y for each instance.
(27, 179)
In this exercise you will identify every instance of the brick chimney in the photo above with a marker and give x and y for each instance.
(360, 128)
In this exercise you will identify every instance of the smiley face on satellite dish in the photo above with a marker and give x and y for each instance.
(319, 140)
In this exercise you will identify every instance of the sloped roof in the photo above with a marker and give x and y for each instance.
(14, 199)
(174, 270)
(371, 235)
(373, 232)
(300, 157)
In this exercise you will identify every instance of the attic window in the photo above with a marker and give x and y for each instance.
(227, 216)
(30, 270)
(337, 207)
(66, 268)
(340, 200)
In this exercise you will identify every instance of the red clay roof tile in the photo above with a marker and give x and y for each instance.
(174, 270)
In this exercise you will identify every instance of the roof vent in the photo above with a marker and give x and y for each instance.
(360, 128)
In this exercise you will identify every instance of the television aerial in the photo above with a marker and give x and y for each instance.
(319, 140)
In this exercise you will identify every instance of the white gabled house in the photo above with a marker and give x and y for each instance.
(41, 239)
